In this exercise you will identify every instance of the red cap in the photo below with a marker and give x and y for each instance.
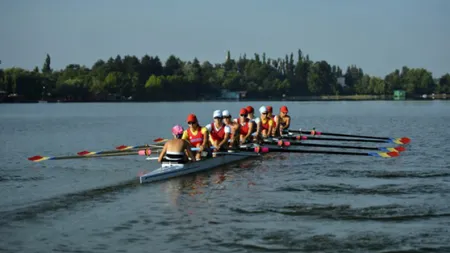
(250, 109)
(284, 109)
(191, 118)
(243, 111)
(269, 108)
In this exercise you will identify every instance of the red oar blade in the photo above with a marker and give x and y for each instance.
(123, 147)
(85, 152)
(159, 140)
(393, 154)
(37, 158)
(405, 140)
(400, 148)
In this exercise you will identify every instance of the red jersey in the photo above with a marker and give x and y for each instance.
(196, 139)
(219, 134)
(244, 127)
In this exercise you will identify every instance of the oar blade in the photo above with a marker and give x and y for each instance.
(400, 141)
(38, 158)
(85, 153)
(400, 148)
(123, 147)
(384, 154)
(405, 140)
(159, 140)
(395, 149)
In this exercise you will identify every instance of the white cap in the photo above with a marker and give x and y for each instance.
(225, 113)
(262, 109)
(217, 113)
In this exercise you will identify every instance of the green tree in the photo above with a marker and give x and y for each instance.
(46, 69)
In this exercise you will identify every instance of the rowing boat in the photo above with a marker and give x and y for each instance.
(174, 169)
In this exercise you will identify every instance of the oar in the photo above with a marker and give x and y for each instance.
(87, 153)
(301, 137)
(404, 140)
(39, 158)
(121, 148)
(287, 150)
(296, 143)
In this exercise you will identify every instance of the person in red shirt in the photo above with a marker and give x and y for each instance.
(251, 113)
(282, 120)
(219, 133)
(234, 126)
(246, 126)
(196, 135)
(264, 124)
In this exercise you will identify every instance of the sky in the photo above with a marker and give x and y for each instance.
(379, 36)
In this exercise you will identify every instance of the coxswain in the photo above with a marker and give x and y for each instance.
(263, 124)
(246, 126)
(177, 149)
(282, 121)
(234, 126)
(196, 135)
(219, 133)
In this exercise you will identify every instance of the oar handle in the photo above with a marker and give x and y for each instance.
(287, 150)
(304, 138)
(313, 132)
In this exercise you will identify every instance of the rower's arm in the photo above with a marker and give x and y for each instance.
(288, 122)
(163, 153)
(251, 125)
(258, 128)
(205, 137)
(187, 148)
(225, 140)
(269, 132)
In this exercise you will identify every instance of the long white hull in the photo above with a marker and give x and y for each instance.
(170, 170)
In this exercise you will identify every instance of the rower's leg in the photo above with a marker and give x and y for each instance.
(214, 144)
(264, 134)
(234, 141)
(241, 139)
(198, 154)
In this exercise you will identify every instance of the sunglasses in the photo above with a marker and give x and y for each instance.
(191, 123)
(217, 117)
(227, 117)
(264, 113)
(244, 115)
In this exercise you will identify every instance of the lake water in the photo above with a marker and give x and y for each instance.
(283, 202)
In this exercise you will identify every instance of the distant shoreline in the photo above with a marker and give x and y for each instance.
(290, 99)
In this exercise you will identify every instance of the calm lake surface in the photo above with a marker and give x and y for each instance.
(279, 203)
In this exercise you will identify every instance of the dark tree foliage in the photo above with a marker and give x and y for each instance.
(149, 79)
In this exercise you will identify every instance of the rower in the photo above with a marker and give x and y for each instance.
(234, 126)
(282, 120)
(219, 133)
(271, 116)
(263, 124)
(251, 113)
(269, 111)
(196, 135)
(177, 149)
(246, 126)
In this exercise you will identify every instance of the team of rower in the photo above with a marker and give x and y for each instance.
(223, 132)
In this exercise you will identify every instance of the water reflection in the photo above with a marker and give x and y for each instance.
(207, 186)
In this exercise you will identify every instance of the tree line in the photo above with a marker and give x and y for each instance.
(148, 79)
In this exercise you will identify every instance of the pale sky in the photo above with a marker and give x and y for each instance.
(378, 35)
